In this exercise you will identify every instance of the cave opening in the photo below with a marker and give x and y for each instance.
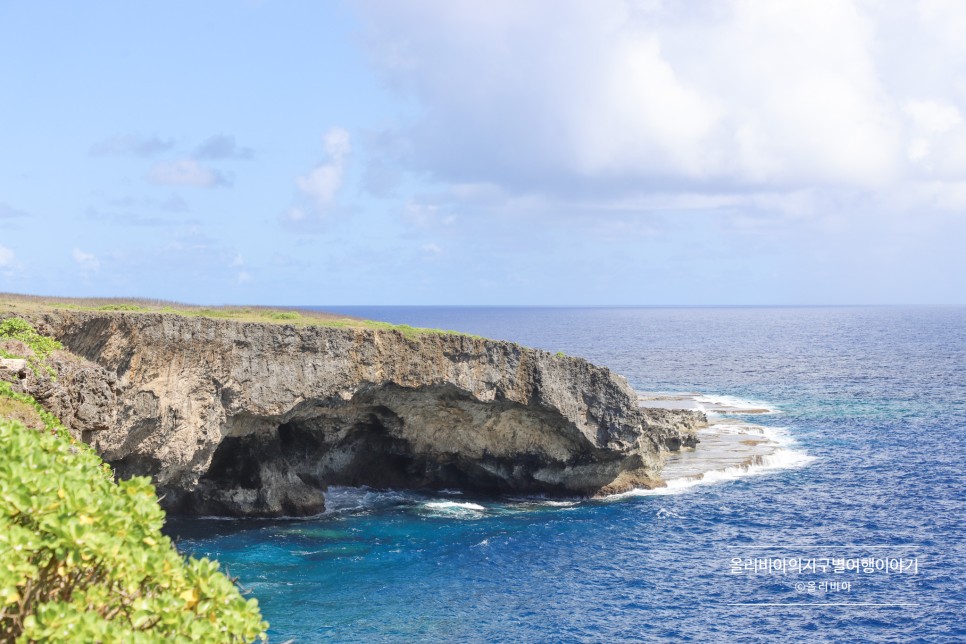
(386, 438)
(350, 446)
(236, 464)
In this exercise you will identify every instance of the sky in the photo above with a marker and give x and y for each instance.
(507, 152)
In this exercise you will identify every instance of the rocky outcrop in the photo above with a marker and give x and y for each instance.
(83, 395)
(249, 419)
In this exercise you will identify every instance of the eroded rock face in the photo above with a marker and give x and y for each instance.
(82, 394)
(248, 419)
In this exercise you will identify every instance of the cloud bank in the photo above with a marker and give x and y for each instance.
(618, 98)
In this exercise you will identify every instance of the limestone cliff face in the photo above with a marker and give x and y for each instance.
(251, 419)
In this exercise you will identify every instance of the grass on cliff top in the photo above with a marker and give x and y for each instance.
(20, 304)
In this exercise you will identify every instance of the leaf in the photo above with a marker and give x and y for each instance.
(190, 597)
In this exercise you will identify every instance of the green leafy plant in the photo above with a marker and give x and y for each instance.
(51, 422)
(82, 558)
(40, 346)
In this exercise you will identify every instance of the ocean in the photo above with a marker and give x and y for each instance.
(849, 526)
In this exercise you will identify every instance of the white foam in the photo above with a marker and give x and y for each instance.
(353, 500)
(453, 505)
(780, 459)
(709, 403)
(454, 510)
(733, 405)
(728, 449)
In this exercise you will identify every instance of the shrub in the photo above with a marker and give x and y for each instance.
(41, 345)
(82, 558)
(51, 423)
(283, 315)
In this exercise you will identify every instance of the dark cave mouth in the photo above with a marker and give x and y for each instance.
(319, 450)
(374, 440)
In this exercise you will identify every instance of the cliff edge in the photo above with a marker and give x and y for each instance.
(257, 419)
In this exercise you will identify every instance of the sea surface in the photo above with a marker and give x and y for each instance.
(849, 526)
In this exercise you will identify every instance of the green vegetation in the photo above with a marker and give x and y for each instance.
(11, 409)
(405, 329)
(28, 304)
(82, 557)
(283, 315)
(25, 406)
(40, 345)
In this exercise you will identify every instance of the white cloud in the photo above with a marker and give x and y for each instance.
(243, 276)
(804, 96)
(87, 262)
(943, 196)
(637, 108)
(336, 143)
(322, 183)
(420, 213)
(6, 256)
(186, 172)
(937, 136)
(294, 215)
(619, 97)
(932, 117)
(945, 21)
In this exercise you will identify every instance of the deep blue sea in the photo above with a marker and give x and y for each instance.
(877, 396)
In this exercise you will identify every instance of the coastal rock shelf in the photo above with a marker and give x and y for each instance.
(257, 419)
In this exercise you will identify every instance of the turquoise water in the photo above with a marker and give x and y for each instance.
(876, 396)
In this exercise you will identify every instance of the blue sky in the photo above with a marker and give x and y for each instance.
(442, 152)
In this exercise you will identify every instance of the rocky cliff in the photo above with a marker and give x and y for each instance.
(253, 419)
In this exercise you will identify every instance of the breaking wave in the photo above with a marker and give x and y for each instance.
(728, 449)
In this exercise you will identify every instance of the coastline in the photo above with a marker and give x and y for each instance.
(656, 564)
